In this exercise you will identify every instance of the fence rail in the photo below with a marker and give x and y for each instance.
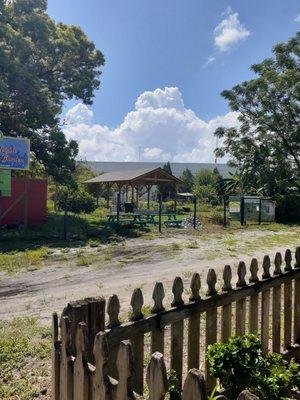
(269, 303)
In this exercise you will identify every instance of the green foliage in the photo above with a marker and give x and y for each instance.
(240, 364)
(174, 392)
(188, 181)
(288, 208)
(77, 201)
(206, 186)
(265, 147)
(167, 190)
(42, 64)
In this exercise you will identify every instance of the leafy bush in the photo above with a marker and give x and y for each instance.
(77, 201)
(240, 364)
(216, 217)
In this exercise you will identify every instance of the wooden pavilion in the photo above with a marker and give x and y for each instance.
(134, 181)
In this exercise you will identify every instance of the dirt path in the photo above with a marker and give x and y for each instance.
(135, 263)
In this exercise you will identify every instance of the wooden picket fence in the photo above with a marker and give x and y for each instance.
(98, 359)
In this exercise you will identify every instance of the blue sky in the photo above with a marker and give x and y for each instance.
(199, 47)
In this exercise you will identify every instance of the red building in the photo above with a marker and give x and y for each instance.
(27, 204)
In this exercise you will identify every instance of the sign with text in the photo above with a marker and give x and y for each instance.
(14, 152)
(5, 182)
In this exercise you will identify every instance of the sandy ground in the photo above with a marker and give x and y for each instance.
(135, 263)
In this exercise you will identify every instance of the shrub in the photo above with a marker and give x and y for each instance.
(240, 364)
(216, 217)
(77, 201)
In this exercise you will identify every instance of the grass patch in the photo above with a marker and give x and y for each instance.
(25, 348)
(85, 260)
(18, 260)
(192, 245)
(175, 246)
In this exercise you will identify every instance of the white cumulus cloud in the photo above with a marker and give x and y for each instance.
(229, 31)
(159, 128)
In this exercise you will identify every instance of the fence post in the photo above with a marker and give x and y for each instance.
(66, 361)
(55, 358)
(288, 293)
(297, 300)
(224, 212)
(241, 304)
(194, 386)
(113, 309)
(157, 335)
(211, 323)
(100, 382)
(253, 305)
(137, 302)
(242, 210)
(194, 326)
(195, 212)
(226, 322)
(259, 211)
(125, 370)
(177, 332)
(118, 213)
(81, 372)
(276, 308)
(157, 377)
(159, 211)
(265, 306)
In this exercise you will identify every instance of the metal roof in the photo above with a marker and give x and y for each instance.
(130, 176)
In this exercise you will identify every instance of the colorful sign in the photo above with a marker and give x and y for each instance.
(5, 182)
(14, 153)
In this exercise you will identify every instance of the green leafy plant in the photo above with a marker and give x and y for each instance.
(240, 364)
(174, 392)
(215, 396)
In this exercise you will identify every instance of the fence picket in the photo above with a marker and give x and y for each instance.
(81, 383)
(211, 323)
(177, 333)
(113, 310)
(66, 361)
(297, 300)
(100, 380)
(241, 304)
(253, 301)
(276, 308)
(158, 334)
(226, 323)
(125, 370)
(288, 293)
(265, 306)
(137, 302)
(55, 357)
(194, 386)
(194, 326)
(157, 380)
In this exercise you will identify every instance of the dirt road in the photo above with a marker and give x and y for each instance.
(134, 263)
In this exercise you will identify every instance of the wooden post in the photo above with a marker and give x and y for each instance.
(297, 300)
(118, 213)
(137, 302)
(148, 196)
(224, 212)
(241, 304)
(195, 212)
(66, 361)
(157, 336)
(55, 358)
(132, 194)
(159, 210)
(125, 370)
(26, 190)
(175, 198)
(276, 308)
(108, 194)
(211, 324)
(253, 302)
(194, 386)
(157, 379)
(226, 323)
(242, 211)
(288, 293)
(66, 217)
(265, 307)
(194, 326)
(113, 310)
(177, 333)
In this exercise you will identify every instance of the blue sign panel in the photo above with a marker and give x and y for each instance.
(14, 152)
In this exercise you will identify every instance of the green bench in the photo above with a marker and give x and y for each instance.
(174, 223)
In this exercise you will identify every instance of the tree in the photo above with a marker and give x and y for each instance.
(206, 185)
(188, 181)
(266, 146)
(42, 64)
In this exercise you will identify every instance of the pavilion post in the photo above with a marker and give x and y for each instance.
(118, 212)
(148, 196)
(137, 196)
(159, 210)
(132, 194)
(126, 194)
(195, 212)
(108, 193)
(175, 198)
(224, 212)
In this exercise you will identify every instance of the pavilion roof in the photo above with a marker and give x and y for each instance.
(142, 176)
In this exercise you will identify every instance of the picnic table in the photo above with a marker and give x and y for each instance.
(143, 218)
(129, 218)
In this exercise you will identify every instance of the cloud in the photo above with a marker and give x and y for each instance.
(229, 31)
(210, 60)
(159, 128)
(297, 18)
